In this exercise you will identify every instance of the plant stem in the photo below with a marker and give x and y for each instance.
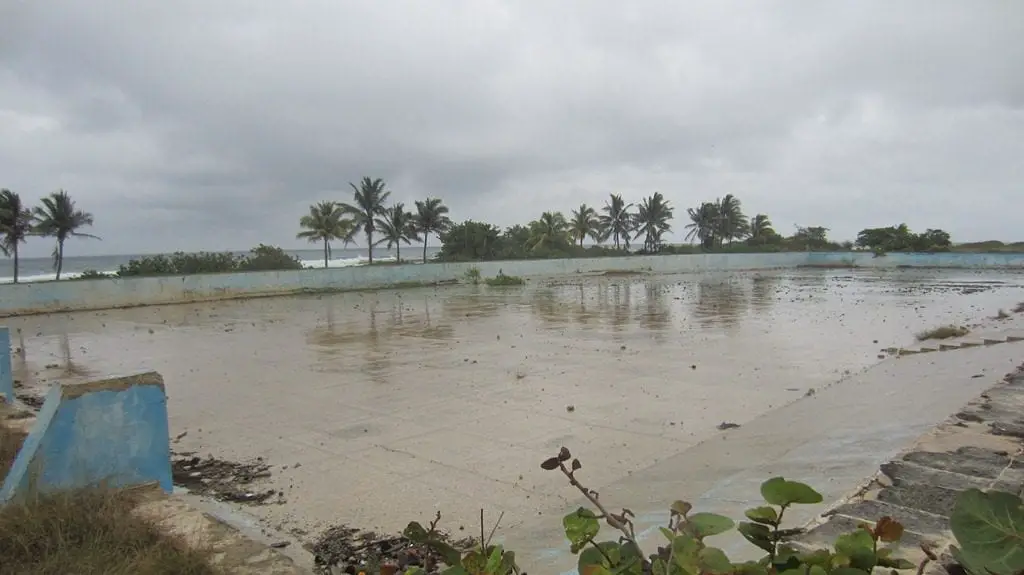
(775, 534)
(604, 512)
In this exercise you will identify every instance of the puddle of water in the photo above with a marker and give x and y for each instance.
(399, 403)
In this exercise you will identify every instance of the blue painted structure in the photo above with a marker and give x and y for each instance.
(916, 260)
(44, 297)
(111, 432)
(6, 373)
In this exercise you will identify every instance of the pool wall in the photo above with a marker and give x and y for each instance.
(57, 296)
(112, 432)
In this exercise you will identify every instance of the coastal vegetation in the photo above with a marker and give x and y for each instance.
(987, 529)
(85, 531)
(57, 217)
(943, 332)
(618, 228)
(259, 258)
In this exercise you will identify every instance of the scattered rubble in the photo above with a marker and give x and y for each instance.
(343, 549)
(224, 480)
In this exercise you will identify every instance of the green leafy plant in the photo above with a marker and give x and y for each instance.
(687, 552)
(90, 275)
(482, 558)
(503, 280)
(472, 275)
(989, 528)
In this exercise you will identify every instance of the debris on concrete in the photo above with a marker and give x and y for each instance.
(344, 549)
(224, 480)
(727, 425)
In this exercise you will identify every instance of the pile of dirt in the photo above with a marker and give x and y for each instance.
(344, 549)
(224, 480)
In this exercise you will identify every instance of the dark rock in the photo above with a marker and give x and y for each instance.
(937, 500)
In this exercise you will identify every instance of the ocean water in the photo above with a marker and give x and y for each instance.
(41, 269)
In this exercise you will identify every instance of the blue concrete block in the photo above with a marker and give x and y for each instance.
(6, 374)
(112, 432)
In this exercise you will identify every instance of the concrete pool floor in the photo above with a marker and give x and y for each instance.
(378, 408)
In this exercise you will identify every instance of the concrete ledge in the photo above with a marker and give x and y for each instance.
(919, 488)
(111, 432)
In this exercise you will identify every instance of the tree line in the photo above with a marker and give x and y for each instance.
(56, 217)
(718, 225)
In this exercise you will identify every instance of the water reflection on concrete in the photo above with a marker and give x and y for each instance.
(397, 403)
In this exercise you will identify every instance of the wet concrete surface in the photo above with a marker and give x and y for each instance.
(377, 408)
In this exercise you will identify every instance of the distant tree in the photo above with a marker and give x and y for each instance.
(584, 224)
(761, 231)
(515, 240)
(469, 241)
(15, 225)
(732, 223)
(326, 222)
(653, 220)
(431, 218)
(901, 239)
(618, 222)
(810, 238)
(396, 226)
(703, 225)
(367, 204)
(59, 218)
(549, 232)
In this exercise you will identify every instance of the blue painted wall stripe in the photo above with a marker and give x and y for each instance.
(6, 373)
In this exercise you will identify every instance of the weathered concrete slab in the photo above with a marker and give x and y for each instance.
(112, 432)
(929, 498)
(915, 520)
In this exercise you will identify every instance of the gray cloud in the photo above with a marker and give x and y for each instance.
(192, 125)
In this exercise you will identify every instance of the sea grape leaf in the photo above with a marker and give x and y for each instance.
(764, 514)
(778, 491)
(580, 526)
(990, 530)
(707, 524)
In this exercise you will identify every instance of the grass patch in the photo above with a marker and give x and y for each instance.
(86, 532)
(504, 280)
(1019, 308)
(10, 443)
(943, 332)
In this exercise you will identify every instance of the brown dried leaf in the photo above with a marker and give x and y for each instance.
(888, 529)
(550, 464)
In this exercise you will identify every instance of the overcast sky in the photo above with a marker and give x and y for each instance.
(213, 124)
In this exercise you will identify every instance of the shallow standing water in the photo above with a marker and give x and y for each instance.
(380, 407)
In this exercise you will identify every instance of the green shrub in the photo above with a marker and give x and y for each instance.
(90, 275)
(473, 275)
(267, 258)
(260, 258)
(503, 280)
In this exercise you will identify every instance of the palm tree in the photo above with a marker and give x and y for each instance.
(396, 226)
(59, 218)
(15, 225)
(550, 231)
(326, 222)
(431, 218)
(617, 220)
(367, 204)
(584, 223)
(703, 224)
(732, 223)
(761, 228)
(653, 217)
